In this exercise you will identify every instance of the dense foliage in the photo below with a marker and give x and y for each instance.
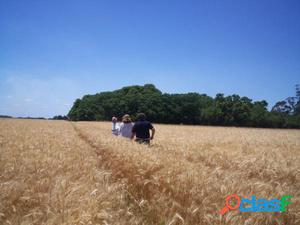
(190, 108)
(5, 116)
(60, 117)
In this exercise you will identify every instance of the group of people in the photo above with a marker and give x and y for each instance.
(138, 131)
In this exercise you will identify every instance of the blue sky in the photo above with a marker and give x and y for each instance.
(52, 52)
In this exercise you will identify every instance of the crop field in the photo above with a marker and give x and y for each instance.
(59, 172)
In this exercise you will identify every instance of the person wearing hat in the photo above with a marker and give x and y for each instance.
(141, 130)
(125, 127)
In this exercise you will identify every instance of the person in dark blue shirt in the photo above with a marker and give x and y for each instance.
(141, 130)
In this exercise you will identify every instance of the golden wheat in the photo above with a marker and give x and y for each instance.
(78, 173)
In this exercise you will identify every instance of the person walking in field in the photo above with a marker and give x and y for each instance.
(125, 129)
(141, 130)
(115, 126)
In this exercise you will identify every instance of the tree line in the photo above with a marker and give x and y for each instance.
(189, 108)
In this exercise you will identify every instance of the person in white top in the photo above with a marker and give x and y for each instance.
(115, 126)
(125, 129)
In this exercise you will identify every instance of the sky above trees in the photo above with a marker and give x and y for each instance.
(53, 52)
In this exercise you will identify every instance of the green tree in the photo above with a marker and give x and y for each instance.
(190, 108)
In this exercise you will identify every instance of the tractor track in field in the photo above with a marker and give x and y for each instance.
(141, 186)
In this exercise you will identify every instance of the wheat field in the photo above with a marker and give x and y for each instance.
(59, 172)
